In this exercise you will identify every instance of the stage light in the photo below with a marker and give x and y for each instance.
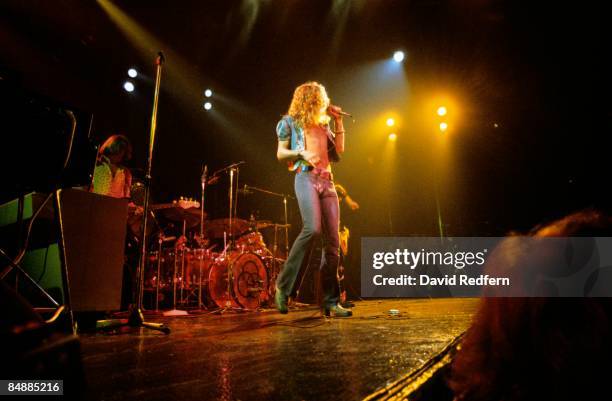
(132, 73)
(207, 105)
(390, 122)
(393, 137)
(443, 126)
(398, 56)
(128, 86)
(441, 111)
(208, 93)
(495, 125)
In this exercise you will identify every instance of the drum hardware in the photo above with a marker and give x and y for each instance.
(233, 169)
(275, 268)
(229, 235)
(261, 224)
(200, 259)
(179, 247)
(285, 197)
(276, 262)
(203, 181)
(183, 248)
(160, 241)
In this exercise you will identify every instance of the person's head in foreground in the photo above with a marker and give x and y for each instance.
(538, 348)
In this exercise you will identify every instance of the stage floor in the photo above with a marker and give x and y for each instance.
(268, 356)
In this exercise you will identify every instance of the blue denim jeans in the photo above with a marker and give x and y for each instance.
(318, 202)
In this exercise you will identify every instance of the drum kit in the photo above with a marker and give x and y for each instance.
(222, 264)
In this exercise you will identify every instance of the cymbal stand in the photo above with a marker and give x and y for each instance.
(233, 169)
(286, 216)
(285, 197)
(177, 249)
(201, 257)
(183, 250)
(160, 241)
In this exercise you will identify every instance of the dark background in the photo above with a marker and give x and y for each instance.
(537, 71)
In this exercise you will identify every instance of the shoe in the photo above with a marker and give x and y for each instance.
(280, 299)
(337, 311)
(347, 304)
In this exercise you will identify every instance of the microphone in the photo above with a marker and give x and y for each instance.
(342, 113)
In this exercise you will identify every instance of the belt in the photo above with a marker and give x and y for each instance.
(319, 172)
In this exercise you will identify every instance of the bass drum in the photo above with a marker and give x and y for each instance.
(249, 283)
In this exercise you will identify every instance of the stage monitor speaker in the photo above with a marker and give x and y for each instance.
(94, 231)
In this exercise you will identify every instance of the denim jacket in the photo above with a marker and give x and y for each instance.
(288, 129)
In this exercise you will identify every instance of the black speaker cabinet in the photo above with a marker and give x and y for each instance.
(94, 233)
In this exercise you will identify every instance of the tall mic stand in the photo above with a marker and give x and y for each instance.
(136, 318)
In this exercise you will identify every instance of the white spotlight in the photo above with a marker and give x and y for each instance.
(128, 86)
(132, 73)
(208, 93)
(398, 56)
(207, 105)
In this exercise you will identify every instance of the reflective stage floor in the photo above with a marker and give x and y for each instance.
(268, 356)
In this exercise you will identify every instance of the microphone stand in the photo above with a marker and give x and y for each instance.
(135, 317)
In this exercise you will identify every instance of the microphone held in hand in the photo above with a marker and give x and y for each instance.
(336, 110)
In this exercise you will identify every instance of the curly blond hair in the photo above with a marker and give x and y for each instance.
(309, 104)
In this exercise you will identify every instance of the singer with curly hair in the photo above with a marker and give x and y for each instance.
(309, 146)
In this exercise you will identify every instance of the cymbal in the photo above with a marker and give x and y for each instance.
(259, 224)
(267, 224)
(216, 228)
(190, 216)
